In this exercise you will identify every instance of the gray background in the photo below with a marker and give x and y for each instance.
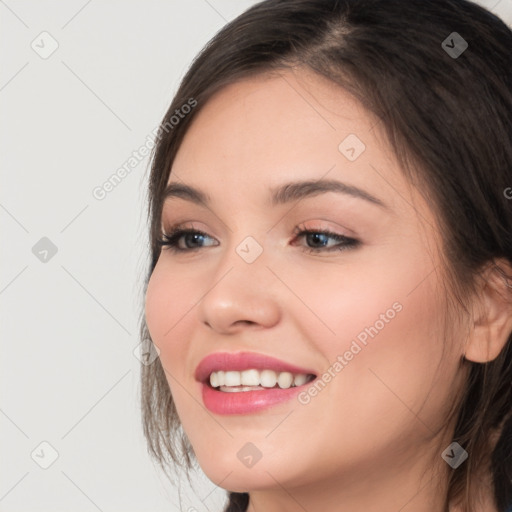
(69, 319)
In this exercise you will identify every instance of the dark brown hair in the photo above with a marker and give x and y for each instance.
(448, 120)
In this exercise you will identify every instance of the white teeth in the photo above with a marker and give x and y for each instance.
(300, 379)
(214, 379)
(227, 389)
(232, 379)
(249, 380)
(285, 379)
(268, 378)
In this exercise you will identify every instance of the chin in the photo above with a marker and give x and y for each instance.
(232, 474)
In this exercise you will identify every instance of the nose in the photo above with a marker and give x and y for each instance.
(241, 295)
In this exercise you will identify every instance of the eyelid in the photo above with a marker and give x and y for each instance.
(320, 224)
(340, 230)
(185, 225)
(189, 225)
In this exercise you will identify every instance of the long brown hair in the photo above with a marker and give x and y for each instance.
(450, 114)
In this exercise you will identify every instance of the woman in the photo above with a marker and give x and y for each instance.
(330, 285)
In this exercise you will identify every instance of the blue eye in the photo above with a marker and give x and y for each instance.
(189, 235)
(318, 238)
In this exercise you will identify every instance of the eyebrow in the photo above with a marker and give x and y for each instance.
(282, 194)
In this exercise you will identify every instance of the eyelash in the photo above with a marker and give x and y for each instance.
(170, 241)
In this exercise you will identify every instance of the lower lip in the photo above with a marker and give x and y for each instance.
(246, 402)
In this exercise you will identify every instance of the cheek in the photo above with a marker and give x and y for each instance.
(157, 306)
(170, 300)
(385, 322)
(168, 308)
(398, 380)
(378, 296)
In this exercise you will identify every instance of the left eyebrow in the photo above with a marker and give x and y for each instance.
(300, 189)
(282, 194)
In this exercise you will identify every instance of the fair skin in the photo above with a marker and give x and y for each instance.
(365, 442)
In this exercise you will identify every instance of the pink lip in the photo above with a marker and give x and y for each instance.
(243, 361)
(244, 402)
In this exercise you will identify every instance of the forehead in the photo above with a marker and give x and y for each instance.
(259, 132)
(279, 116)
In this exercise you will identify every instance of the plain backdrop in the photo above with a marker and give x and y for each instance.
(82, 86)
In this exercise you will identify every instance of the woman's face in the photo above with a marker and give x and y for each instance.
(366, 320)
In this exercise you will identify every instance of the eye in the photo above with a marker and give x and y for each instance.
(318, 238)
(172, 240)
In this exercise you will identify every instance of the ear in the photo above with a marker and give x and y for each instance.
(492, 313)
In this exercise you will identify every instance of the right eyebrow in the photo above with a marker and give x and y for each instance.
(187, 193)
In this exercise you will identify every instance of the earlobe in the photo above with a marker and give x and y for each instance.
(492, 319)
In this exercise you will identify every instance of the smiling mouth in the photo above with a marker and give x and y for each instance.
(256, 380)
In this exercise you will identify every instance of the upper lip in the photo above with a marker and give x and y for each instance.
(240, 361)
